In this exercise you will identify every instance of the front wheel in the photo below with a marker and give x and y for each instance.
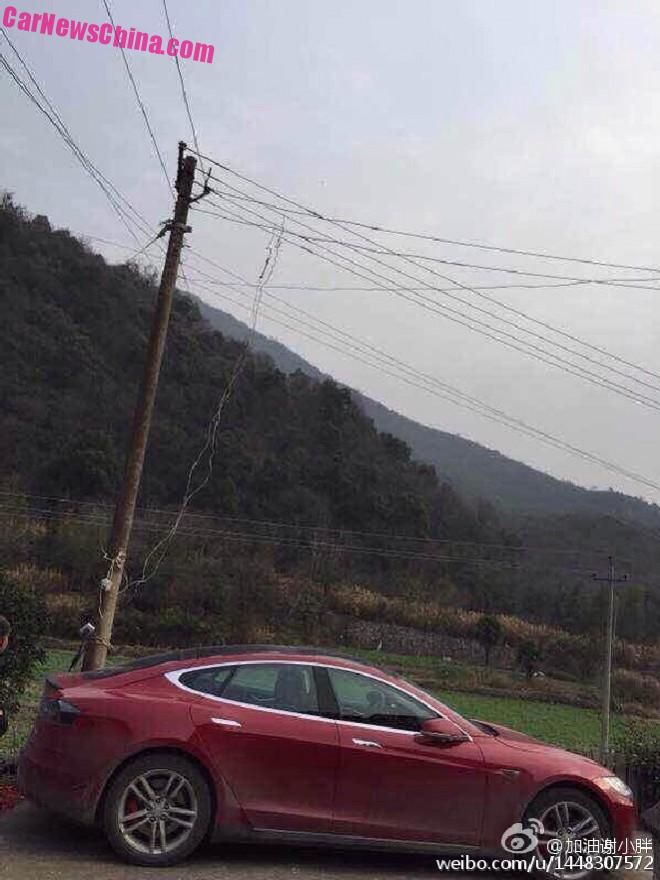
(571, 817)
(157, 810)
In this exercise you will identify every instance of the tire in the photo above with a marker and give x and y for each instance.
(581, 806)
(157, 799)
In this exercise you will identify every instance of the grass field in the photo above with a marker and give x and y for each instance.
(572, 727)
(567, 726)
(563, 725)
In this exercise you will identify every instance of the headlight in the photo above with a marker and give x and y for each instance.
(613, 783)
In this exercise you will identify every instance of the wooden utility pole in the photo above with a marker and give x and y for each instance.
(97, 646)
(611, 580)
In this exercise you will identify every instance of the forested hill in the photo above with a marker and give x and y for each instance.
(474, 470)
(290, 449)
(72, 342)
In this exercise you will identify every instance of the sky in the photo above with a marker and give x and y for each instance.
(524, 125)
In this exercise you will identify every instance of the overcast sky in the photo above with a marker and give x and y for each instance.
(531, 125)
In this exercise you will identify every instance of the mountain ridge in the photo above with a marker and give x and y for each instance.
(473, 469)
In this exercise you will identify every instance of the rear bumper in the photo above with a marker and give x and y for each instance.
(48, 785)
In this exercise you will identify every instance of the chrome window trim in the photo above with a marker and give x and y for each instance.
(174, 678)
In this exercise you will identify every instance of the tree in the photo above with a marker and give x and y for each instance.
(528, 656)
(26, 611)
(489, 634)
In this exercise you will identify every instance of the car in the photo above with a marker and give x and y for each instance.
(300, 745)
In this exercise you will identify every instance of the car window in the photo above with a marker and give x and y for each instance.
(207, 681)
(288, 687)
(368, 701)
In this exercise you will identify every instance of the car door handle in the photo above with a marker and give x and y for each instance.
(367, 743)
(226, 722)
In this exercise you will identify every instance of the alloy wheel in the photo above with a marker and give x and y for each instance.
(568, 822)
(157, 812)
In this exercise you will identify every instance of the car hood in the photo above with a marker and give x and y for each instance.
(515, 737)
(524, 742)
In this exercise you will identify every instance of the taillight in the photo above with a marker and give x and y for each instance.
(60, 711)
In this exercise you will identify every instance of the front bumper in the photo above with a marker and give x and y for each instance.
(624, 818)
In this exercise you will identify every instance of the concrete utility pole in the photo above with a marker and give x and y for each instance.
(611, 580)
(97, 646)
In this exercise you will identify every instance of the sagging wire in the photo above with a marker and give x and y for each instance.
(158, 552)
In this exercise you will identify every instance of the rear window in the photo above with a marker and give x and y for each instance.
(287, 687)
(208, 681)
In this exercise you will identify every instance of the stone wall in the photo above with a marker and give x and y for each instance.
(395, 639)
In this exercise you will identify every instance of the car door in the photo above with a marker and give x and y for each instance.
(261, 726)
(392, 784)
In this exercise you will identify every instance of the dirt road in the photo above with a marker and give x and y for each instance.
(34, 844)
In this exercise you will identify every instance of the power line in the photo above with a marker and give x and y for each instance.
(315, 215)
(461, 399)
(256, 537)
(140, 102)
(458, 242)
(425, 376)
(320, 288)
(114, 196)
(490, 299)
(239, 195)
(504, 250)
(307, 527)
(463, 319)
(184, 93)
(450, 292)
(406, 255)
(481, 408)
(21, 84)
(466, 401)
(563, 281)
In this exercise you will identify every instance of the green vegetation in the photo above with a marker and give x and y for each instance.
(528, 656)
(26, 610)
(289, 450)
(20, 721)
(567, 726)
(489, 633)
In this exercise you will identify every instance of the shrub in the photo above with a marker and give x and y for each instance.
(637, 747)
(66, 612)
(528, 655)
(489, 633)
(26, 611)
(630, 686)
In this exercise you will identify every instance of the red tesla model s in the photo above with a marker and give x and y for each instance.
(296, 744)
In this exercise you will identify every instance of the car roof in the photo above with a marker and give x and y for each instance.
(221, 652)
(180, 659)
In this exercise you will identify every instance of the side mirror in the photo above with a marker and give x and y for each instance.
(441, 732)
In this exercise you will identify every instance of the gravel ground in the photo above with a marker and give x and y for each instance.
(34, 844)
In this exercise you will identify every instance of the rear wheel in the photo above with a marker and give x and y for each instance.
(572, 817)
(157, 810)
